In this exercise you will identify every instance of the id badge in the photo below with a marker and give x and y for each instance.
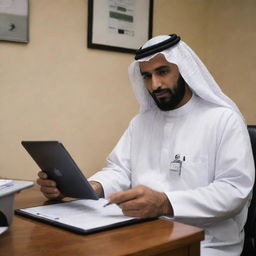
(175, 165)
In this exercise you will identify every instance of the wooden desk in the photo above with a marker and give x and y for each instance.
(28, 237)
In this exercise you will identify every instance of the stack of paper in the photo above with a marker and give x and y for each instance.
(5, 183)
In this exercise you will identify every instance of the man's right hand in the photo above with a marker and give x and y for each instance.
(48, 187)
(50, 190)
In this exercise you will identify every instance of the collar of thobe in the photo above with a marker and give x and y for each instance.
(183, 110)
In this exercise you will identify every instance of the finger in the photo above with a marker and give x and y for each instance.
(46, 183)
(141, 213)
(133, 213)
(50, 190)
(52, 196)
(130, 205)
(123, 196)
(51, 193)
(42, 175)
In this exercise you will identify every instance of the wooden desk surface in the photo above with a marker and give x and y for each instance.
(32, 238)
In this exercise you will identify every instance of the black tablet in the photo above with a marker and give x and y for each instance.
(54, 159)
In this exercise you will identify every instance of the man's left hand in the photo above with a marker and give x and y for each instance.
(142, 202)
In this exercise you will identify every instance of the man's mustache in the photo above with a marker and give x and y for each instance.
(160, 90)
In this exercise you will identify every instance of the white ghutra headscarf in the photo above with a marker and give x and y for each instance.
(191, 68)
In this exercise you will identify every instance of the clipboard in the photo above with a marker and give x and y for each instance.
(80, 216)
(54, 159)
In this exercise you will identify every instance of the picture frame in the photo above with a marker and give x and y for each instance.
(14, 20)
(119, 25)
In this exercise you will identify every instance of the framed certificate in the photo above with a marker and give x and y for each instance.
(14, 20)
(119, 25)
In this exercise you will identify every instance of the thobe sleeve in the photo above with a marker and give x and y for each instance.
(233, 181)
(117, 175)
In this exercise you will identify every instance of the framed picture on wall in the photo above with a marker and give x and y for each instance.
(14, 20)
(119, 25)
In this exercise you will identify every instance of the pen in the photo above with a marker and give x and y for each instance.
(109, 203)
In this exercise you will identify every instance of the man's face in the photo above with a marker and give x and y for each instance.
(164, 82)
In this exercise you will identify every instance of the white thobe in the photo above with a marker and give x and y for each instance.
(213, 188)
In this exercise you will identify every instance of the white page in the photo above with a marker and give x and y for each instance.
(3, 229)
(84, 214)
(15, 186)
(5, 183)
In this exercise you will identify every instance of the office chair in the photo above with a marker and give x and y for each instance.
(250, 225)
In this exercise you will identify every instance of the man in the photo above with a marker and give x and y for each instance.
(186, 155)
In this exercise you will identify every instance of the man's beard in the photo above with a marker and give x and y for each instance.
(174, 97)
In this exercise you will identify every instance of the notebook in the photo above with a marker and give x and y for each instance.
(80, 216)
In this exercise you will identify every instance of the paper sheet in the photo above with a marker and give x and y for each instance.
(5, 183)
(84, 214)
(3, 229)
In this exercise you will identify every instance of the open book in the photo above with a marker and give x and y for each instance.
(80, 216)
